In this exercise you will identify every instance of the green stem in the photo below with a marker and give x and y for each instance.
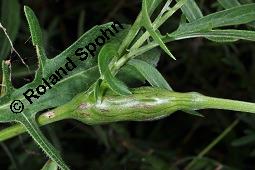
(135, 28)
(157, 23)
(226, 104)
(212, 144)
(135, 50)
(55, 115)
(131, 35)
(145, 103)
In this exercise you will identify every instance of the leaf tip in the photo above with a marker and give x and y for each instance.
(26, 8)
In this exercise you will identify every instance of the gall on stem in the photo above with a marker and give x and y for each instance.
(146, 103)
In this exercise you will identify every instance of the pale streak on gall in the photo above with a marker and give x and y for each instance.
(83, 106)
(49, 114)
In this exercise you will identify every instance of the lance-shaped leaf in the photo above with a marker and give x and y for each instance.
(107, 53)
(153, 4)
(204, 27)
(149, 27)
(229, 3)
(165, 8)
(150, 73)
(130, 75)
(228, 35)
(191, 10)
(233, 16)
(37, 40)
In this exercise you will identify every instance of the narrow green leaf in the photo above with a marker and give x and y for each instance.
(10, 19)
(107, 53)
(191, 10)
(234, 16)
(150, 73)
(229, 35)
(165, 8)
(37, 40)
(131, 76)
(153, 4)
(34, 27)
(97, 88)
(98, 92)
(229, 3)
(149, 27)
(222, 39)
(151, 57)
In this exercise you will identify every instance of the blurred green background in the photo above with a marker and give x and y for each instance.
(220, 70)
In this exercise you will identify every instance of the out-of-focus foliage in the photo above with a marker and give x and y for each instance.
(10, 19)
(225, 70)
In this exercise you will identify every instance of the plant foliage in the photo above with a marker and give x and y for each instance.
(77, 95)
